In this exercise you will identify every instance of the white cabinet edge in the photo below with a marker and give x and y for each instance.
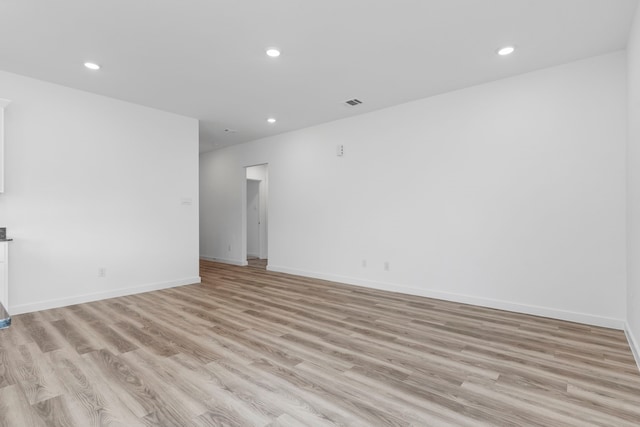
(4, 276)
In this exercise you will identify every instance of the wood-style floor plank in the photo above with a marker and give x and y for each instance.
(249, 347)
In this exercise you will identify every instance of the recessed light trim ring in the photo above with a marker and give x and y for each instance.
(506, 50)
(273, 52)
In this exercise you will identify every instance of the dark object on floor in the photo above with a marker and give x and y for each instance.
(5, 319)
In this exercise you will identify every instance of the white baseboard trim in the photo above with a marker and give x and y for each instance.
(225, 261)
(635, 345)
(570, 316)
(79, 299)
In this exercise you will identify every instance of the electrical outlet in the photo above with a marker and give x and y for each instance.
(386, 265)
(364, 262)
(229, 248)
(102, 272)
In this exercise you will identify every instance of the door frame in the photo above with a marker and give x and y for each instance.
(264, 214)
(260, 214)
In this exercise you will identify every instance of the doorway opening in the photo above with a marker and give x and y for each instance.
(256, 224)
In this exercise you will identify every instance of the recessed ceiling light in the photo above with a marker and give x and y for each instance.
(507, 50)
(92, 66)
(273, 52)
(271, 120)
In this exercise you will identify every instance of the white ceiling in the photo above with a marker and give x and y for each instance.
(206, 58)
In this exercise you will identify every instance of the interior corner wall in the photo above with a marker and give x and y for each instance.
(509, 194)
(633, 188)
(95, 183)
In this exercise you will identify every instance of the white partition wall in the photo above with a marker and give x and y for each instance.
(3, 104)
(101, 196)
(4, 274)
(4, 247)
(633, 188)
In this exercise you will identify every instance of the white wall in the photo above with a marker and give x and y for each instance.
(633, 188)
(258, 172)
(93, 182)
(222, 187)
(510, 194)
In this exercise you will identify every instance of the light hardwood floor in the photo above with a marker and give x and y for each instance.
(249, 347)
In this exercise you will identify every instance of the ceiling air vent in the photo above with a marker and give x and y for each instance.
(353, 102)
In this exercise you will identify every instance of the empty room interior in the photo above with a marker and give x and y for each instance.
(320, 213)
